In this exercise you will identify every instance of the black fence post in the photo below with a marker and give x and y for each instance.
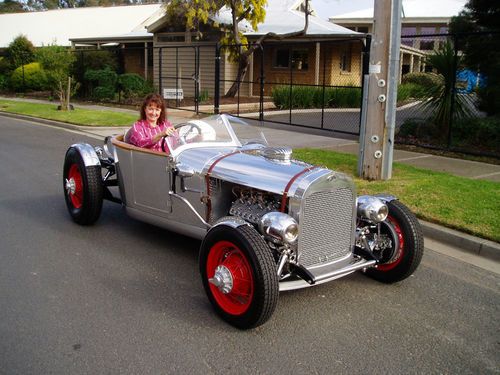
(261, 79)
(324, 86)
(454, 38)
(217, 79)
(290, 62)
(159, 71)
(22, 69)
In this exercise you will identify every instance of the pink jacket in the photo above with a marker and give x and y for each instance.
(141, 134)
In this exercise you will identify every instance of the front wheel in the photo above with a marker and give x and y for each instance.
(406, 245)
(239, 275)
(83, 190)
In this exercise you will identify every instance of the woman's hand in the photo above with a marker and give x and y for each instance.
(169, 131)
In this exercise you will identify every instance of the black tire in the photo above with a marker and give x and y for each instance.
(405, 232)
(83, 190)
(254, 293)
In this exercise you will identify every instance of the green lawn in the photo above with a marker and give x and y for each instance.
(78, 116)
(471, 206)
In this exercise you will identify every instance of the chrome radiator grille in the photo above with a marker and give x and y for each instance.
(326, 226)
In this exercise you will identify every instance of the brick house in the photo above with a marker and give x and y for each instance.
(312, 58)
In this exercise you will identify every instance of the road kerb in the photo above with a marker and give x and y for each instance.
(463, 241)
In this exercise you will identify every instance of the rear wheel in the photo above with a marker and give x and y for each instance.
(239, 275)
(399, 260)
(83, 189)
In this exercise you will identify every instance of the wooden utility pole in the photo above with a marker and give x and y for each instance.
(377, 128)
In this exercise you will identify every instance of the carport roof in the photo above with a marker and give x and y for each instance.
(61, 25)
(282, 16)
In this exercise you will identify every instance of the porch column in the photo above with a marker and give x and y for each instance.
(250, 77)
(400, 75)
(418, 63)
(411, 63)
(316, 70)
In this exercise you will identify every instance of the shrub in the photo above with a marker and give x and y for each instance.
(281, 97)
(203, 96)
(35, 78)
(477, 132)
(101, 93)
(95, 60)
(411, 91)
(425, 80)
(316, 97)
(91, 60)
(4, 65)
(131, 85)
(344, 97)
(3, 82)
(104, 82)
(303, 97)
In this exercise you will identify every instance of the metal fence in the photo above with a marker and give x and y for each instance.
(313, 84)
(438, 102)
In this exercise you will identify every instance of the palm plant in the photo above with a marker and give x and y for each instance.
(443, 103)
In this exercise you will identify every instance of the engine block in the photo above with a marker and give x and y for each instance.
(252, 204)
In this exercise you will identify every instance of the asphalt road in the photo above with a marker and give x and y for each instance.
(122, 297)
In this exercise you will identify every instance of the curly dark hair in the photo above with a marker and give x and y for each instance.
(156, 99)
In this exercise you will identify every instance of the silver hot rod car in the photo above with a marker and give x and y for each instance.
(268, 223)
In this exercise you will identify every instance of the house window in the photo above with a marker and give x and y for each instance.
(299, 58)
(345, 58)
(172, 38)
(427, 45)
(282, 58)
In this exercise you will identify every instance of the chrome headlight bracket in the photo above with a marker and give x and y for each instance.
(372, 208)
(279, 227)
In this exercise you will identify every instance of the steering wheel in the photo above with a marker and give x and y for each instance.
(188, 133)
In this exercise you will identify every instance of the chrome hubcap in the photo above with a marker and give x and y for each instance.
(70, 186)
(222, 279)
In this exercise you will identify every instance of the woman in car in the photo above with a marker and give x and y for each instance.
(152, 126)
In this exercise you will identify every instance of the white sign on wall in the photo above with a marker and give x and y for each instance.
(173, 93)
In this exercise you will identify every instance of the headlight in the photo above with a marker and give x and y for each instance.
(372, 208)
(279, 227)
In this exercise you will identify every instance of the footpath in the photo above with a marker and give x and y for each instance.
(296, 137)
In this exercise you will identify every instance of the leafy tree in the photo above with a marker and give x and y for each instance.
(20, 52)
(194, 14)
(57, 61)
(477, 30)
(37, 5)
(11, 6)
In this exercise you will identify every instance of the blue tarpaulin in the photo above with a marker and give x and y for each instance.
(468, 81)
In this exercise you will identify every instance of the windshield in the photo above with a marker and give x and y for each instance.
(219, 130)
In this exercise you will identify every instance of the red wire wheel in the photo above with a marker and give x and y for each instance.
(74, 186)
(238, 299)
(239, 276)
(396, 258)
(406, 233)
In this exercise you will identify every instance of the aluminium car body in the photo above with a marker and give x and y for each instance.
(268, 222)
